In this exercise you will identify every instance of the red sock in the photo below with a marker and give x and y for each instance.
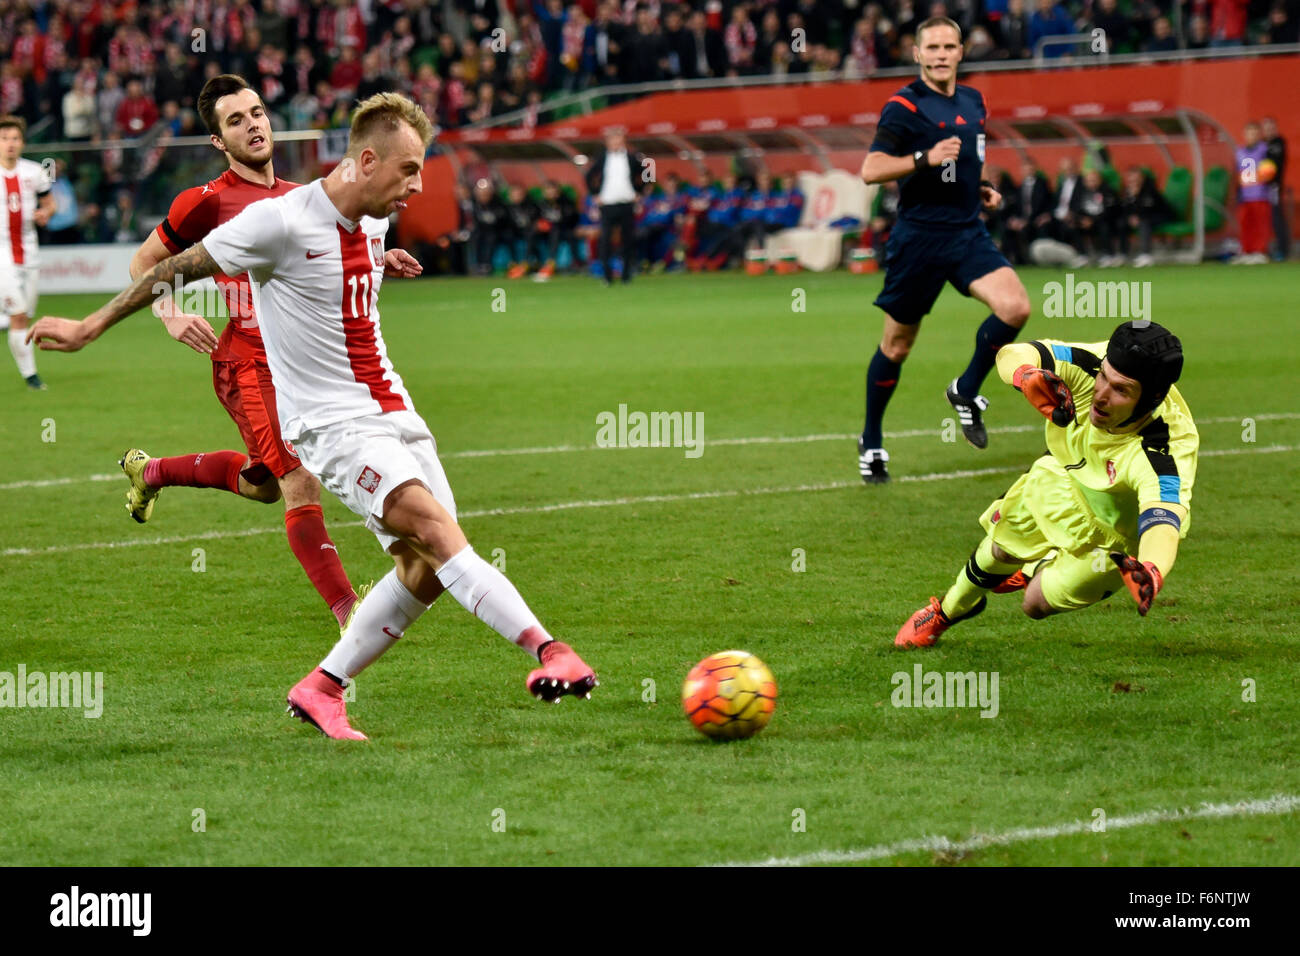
(209, 469)
(311, 544)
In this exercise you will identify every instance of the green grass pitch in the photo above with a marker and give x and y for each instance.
(658, 560)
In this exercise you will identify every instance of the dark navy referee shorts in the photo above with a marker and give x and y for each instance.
(919, 260)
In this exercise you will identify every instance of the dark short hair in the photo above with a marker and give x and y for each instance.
(14, 122)
(938, 22)
(215, 89)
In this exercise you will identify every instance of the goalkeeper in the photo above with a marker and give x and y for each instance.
(1106, 507)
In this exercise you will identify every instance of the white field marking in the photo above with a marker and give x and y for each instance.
(593, 503)
(752, 440)
(1270, 806)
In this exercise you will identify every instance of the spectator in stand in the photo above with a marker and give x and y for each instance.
(602, 45)
(1095, 207)
(770, 39)
(347, 72)
(1141, 209)
(1283, 26)
(1198, 33)
(1276, 151)
(740, 38)
(137, 113)
(107, 100)
(373, 78)
(1013, 32)
(489, 229)
(551, 19)
(1162, 37)
(1049, 20)
(1254, 210)
(1116, 27)
(645, 51)
(576, 72)
(979, 45)
(1029, 213)
(79, 111)
(706, 53)
(1227, 22)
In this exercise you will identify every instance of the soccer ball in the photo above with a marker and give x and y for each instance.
(729, 695)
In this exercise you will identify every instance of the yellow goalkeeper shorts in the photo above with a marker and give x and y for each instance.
(1043, 516)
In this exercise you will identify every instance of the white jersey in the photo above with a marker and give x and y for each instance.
(19, 189)
(315, 279)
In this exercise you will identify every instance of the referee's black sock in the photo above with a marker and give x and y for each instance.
(882, 379)
(992, 335)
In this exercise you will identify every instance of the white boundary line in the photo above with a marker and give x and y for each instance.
(1276, 805)
(592, 503)
(720, 442)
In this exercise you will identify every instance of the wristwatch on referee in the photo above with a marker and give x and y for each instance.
(921, 158)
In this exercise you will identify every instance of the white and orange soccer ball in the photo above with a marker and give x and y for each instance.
(729, 695)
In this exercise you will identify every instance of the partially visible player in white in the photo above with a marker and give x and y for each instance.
(27, 203)
(315, 259)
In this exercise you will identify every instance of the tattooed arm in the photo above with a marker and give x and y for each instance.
(67, 335)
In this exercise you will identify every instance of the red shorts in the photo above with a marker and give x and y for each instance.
(245, 390)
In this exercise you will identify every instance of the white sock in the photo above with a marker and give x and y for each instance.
(382, 617)
(488, 594)
(24, 354)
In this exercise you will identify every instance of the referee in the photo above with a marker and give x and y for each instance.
(931, 137)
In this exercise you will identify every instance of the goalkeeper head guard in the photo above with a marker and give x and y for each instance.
(1152, 355)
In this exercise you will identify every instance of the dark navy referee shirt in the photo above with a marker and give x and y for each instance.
(916, 117)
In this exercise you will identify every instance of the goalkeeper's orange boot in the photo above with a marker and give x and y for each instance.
(1017, 582)
(318, 700)
(924, 627)
(562, 672)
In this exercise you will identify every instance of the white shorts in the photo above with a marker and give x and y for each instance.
(362, 460)
(18, 289)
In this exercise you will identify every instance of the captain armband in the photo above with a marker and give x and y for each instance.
(1154, 516)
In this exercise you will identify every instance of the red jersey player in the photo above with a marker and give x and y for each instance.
(240, 128)
(316, 259)
(27, 203)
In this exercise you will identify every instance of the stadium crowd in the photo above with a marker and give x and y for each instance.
(94, 69)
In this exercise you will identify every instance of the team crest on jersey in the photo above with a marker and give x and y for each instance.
(1110, 470)
(979, 146)
(377, 251)
(369, 480)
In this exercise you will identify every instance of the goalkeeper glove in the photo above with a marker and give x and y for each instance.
(1046, 392)
(1142, 578)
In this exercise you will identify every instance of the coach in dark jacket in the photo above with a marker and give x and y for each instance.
(616, 178)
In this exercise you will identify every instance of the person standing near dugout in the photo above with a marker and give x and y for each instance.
(931, 138)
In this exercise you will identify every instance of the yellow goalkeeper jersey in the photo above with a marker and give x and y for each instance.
(1128, 472)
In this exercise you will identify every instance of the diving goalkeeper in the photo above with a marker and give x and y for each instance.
(1107, 506)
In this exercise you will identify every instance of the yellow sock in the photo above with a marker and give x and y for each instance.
(982, 573)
